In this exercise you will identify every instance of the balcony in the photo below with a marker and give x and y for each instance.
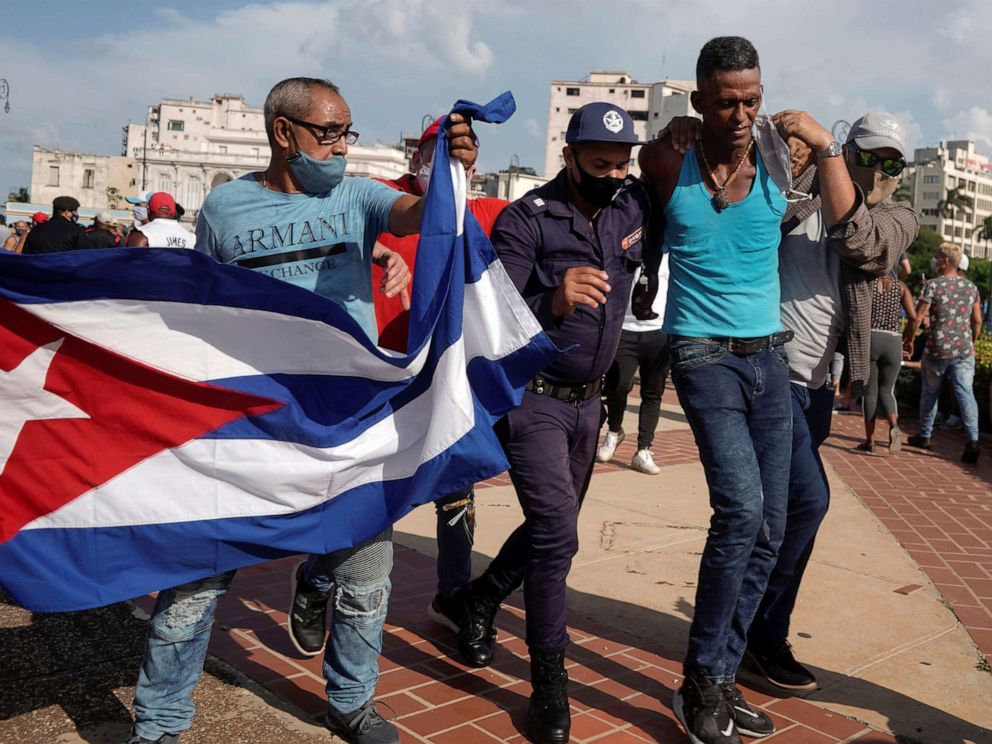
(155, 155)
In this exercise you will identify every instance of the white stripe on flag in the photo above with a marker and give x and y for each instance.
(219, 478)
(215, 342)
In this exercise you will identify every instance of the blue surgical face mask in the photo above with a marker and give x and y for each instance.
(317, 176)
(140, 214)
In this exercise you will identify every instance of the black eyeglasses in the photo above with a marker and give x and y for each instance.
(868, 159)
(326, 135)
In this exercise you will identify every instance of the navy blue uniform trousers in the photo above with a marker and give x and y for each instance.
(551, 447)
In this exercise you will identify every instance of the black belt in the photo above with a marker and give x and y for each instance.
(749, 345)
(569, 393)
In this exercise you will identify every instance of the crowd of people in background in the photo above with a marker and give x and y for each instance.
(156, 221)
(771, 268)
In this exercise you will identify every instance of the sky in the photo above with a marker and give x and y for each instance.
(77, 76)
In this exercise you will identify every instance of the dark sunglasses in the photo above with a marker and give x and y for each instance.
(326, 135)
(868, 159)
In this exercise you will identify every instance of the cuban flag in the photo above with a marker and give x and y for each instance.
(164, 417)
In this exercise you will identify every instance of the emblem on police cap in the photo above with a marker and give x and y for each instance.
(613, 121)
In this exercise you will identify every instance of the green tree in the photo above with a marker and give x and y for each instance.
(114, 197)
(955, 202)
(19, 194)
(984, 232)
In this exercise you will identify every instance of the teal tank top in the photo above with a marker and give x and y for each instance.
(724, 265)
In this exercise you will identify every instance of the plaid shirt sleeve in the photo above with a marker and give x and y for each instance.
(869, 244)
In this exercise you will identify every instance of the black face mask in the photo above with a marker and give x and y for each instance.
(599, 192)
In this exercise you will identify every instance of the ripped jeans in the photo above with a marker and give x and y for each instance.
(179, 633)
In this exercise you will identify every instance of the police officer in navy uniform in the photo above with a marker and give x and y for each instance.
(571, 248)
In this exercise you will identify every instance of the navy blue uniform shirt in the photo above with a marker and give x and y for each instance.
(542, 234)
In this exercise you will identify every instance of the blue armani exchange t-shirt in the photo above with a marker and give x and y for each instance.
(321, 242)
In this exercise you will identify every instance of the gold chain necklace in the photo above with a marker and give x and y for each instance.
(720, 200)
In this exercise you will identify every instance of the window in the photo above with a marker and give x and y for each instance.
(638, 115)
(176, 125)
(613, 90)
(164, 183)
(571, 91)
(639, 93)
(572, 111)
(53, 175)
(254, 152)
(194, 194)
(222, 149)
(931, 179)
(88, 178)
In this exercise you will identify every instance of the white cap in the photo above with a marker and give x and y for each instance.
(963, 264)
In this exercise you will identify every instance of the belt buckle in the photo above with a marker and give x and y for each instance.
(577, 393)
(748, 346)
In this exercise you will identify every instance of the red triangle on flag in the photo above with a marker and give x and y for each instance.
(135, 412)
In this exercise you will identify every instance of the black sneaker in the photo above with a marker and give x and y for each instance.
(971, 452)
(476, 635)
(750, 721)
(449, 611)
(363, 726)
(918, 441)
(163, 739)
(307, 611)
(704, 713)
(777, 666)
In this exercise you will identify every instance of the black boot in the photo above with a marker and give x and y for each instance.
(548, 720)
(476, 634)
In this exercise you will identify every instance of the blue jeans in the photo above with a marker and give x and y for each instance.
(179, 633)
(740, 412)
(962, 373)
(455, 536)
(809, 499)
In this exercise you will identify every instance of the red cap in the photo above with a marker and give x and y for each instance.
(162, 204)
(39, 217)
(429, 133)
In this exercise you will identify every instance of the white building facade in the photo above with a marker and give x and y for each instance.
(949, 165)
(650, 105)
(185, 147)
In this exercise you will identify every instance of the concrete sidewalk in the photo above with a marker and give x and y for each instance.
(893, 661)
(886, 647)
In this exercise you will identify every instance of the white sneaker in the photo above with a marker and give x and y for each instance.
(610, 443)
(643, 462)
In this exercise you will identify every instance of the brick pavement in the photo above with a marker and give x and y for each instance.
(621, 686)
(939, 509)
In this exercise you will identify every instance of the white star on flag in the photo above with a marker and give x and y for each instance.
(23, 398)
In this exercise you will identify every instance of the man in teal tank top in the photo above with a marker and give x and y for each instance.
(722, 213)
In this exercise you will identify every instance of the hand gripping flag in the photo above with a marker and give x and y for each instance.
(164, 417)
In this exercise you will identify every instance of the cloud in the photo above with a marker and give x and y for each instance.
(975, 124)
(398, 59)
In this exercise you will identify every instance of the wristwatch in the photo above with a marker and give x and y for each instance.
(832, 150)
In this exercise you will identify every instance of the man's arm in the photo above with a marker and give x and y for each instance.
(837, 194)
(909, 335)
(137, 239)
(517, 243)
(660, 164)
(976, 321)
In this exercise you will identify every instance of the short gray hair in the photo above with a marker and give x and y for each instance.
(291, 98)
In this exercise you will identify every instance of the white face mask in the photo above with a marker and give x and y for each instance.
(140, 214)
(424, 177)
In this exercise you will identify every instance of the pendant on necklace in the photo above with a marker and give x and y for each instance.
(720, 200)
